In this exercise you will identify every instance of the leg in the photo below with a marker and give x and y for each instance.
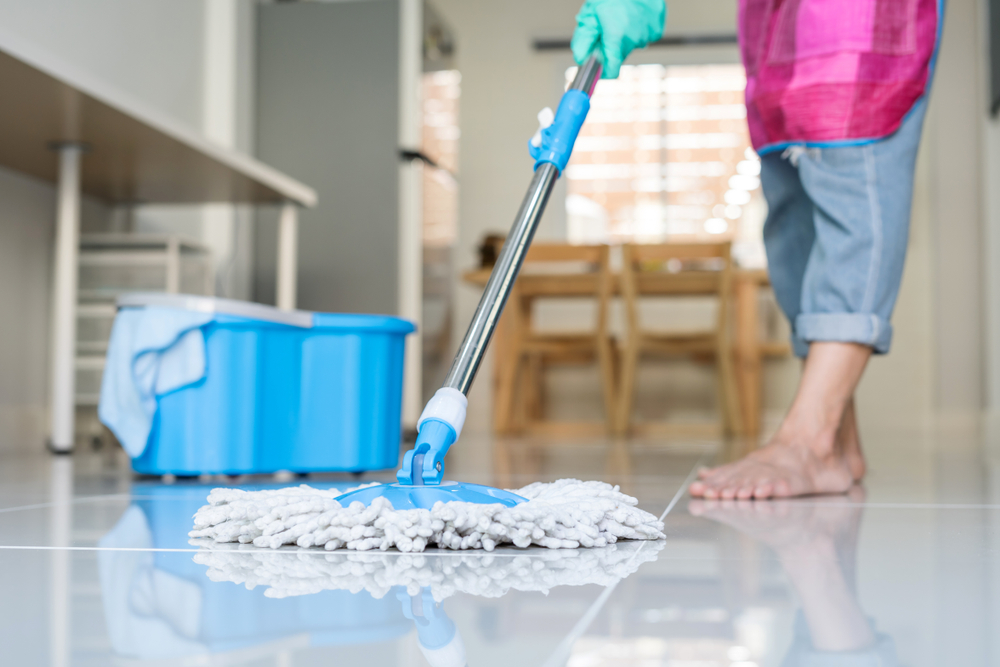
(630, 359)
(805, 456)
(727, 383)
(288, 252)
(862, 199)
(748, 356)
(789, 236)
(64, 297)
(507, 351)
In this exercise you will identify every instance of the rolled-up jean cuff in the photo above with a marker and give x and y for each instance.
(861, 328)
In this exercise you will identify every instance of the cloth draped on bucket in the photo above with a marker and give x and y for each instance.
(834, 72)
(153, 351)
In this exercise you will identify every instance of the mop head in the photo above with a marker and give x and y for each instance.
(484, 575)
(560, 515)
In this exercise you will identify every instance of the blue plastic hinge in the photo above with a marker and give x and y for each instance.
(424, 464)
(559, 137)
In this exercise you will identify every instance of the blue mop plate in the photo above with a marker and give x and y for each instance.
(406, 496)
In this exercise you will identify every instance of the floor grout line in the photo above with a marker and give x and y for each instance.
(82, 499)
(894, 506)
(560, 656)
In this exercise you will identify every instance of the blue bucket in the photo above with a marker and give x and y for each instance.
(304, 392)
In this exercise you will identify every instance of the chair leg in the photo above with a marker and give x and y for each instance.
(730, 403)
(619, 460)
(506, 387)
(609, 389)
(502, 465)
(533, 388)
(630, 359)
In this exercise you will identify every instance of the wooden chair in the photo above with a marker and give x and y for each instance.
(519, 396)
(697, 268)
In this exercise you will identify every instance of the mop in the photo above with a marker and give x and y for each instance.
(561, 515)
(421, 509)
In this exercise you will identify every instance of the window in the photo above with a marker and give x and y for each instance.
(439, 141)
(665, 155)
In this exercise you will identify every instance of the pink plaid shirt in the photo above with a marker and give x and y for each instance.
(822, 72)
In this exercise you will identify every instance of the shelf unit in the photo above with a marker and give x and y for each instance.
(115, 263)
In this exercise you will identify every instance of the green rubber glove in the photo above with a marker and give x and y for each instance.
(614, 28)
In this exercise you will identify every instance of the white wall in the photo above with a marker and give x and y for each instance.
(505, 82)
(990, 177)
(958, 108)
(151, 50)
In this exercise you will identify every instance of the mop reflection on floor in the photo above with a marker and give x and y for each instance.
(815, 541)
(443, 574)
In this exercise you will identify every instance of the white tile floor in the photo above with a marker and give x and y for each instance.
(96, 569)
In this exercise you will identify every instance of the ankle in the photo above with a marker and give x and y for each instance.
(809, 430)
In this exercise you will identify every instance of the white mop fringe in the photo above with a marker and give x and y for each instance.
(484, 575)
(566, 514)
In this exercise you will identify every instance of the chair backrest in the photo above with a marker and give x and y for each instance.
(711, 274)
(563, 270)
(565, 252)
(563, 259)
(681, 251)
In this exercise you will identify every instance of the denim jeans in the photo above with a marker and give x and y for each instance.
(836, 232)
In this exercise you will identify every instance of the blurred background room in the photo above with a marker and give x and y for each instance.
(368, 157)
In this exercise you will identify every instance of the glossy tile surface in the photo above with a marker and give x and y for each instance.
(96, 569)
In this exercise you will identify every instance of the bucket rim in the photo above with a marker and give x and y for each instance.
(217, 306)
(363, 322)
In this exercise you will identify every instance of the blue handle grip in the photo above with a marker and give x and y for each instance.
(558, 138)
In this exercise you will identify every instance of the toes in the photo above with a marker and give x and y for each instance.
(697, 489)
(763, 491)
(745, 493)
(781, 489)
(715, 473)
(728, 493)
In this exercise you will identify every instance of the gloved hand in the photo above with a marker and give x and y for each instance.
(614, 28)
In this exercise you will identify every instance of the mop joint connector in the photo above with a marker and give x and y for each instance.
(554, 143)
(424, 464)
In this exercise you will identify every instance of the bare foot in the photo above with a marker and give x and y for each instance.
(816, 450)
(792, 464)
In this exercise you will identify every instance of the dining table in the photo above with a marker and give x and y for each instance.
(750, 348)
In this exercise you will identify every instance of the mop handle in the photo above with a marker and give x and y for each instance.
(498, 288)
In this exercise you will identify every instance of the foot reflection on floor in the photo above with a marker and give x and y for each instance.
(816, 544)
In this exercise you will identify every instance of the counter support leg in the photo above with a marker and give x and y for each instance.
(64, 298)
(288, 248)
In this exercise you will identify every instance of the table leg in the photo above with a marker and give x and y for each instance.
(288, 249)
(64, 298)
(506, 362)
(748, 354)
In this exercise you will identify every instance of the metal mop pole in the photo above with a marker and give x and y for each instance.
(442, 419)
(473, 348)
